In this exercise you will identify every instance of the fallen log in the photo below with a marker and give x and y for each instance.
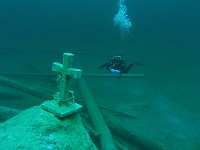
(7, 93)
(138, 139)
(120, 144)
(25, 88)
(121, 114)
(7, 113)
(51, 75)
(114, 75)
(96, 117)
(90, 129)
(130, 135)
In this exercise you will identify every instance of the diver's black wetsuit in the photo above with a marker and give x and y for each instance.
(117, 65)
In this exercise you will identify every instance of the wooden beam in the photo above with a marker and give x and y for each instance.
(51, 75)
(114, 75)
(25, 88)
(96, 117)
(7, 113)
(131, 134)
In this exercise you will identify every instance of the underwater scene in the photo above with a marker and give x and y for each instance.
(135, 73)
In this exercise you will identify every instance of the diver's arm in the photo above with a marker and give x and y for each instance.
(103, 66)
(137, 63)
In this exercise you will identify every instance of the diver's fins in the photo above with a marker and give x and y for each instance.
(119, 76)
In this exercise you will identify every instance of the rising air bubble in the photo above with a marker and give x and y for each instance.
(121, 19)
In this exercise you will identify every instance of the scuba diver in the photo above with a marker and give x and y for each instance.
(117, 65)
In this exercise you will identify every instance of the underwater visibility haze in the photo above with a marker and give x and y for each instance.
(163, 34)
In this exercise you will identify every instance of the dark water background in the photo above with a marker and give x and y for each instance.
(165, 35)
(165, 32)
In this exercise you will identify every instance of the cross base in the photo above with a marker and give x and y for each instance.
(61, 111)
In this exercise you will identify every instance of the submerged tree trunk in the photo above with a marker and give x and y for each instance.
(96, 117)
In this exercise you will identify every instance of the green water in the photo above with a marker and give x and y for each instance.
(165, 36)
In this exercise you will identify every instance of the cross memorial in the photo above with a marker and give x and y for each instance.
(63, 103)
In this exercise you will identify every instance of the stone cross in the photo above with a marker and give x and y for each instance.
(66, 72)
(63, 103)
